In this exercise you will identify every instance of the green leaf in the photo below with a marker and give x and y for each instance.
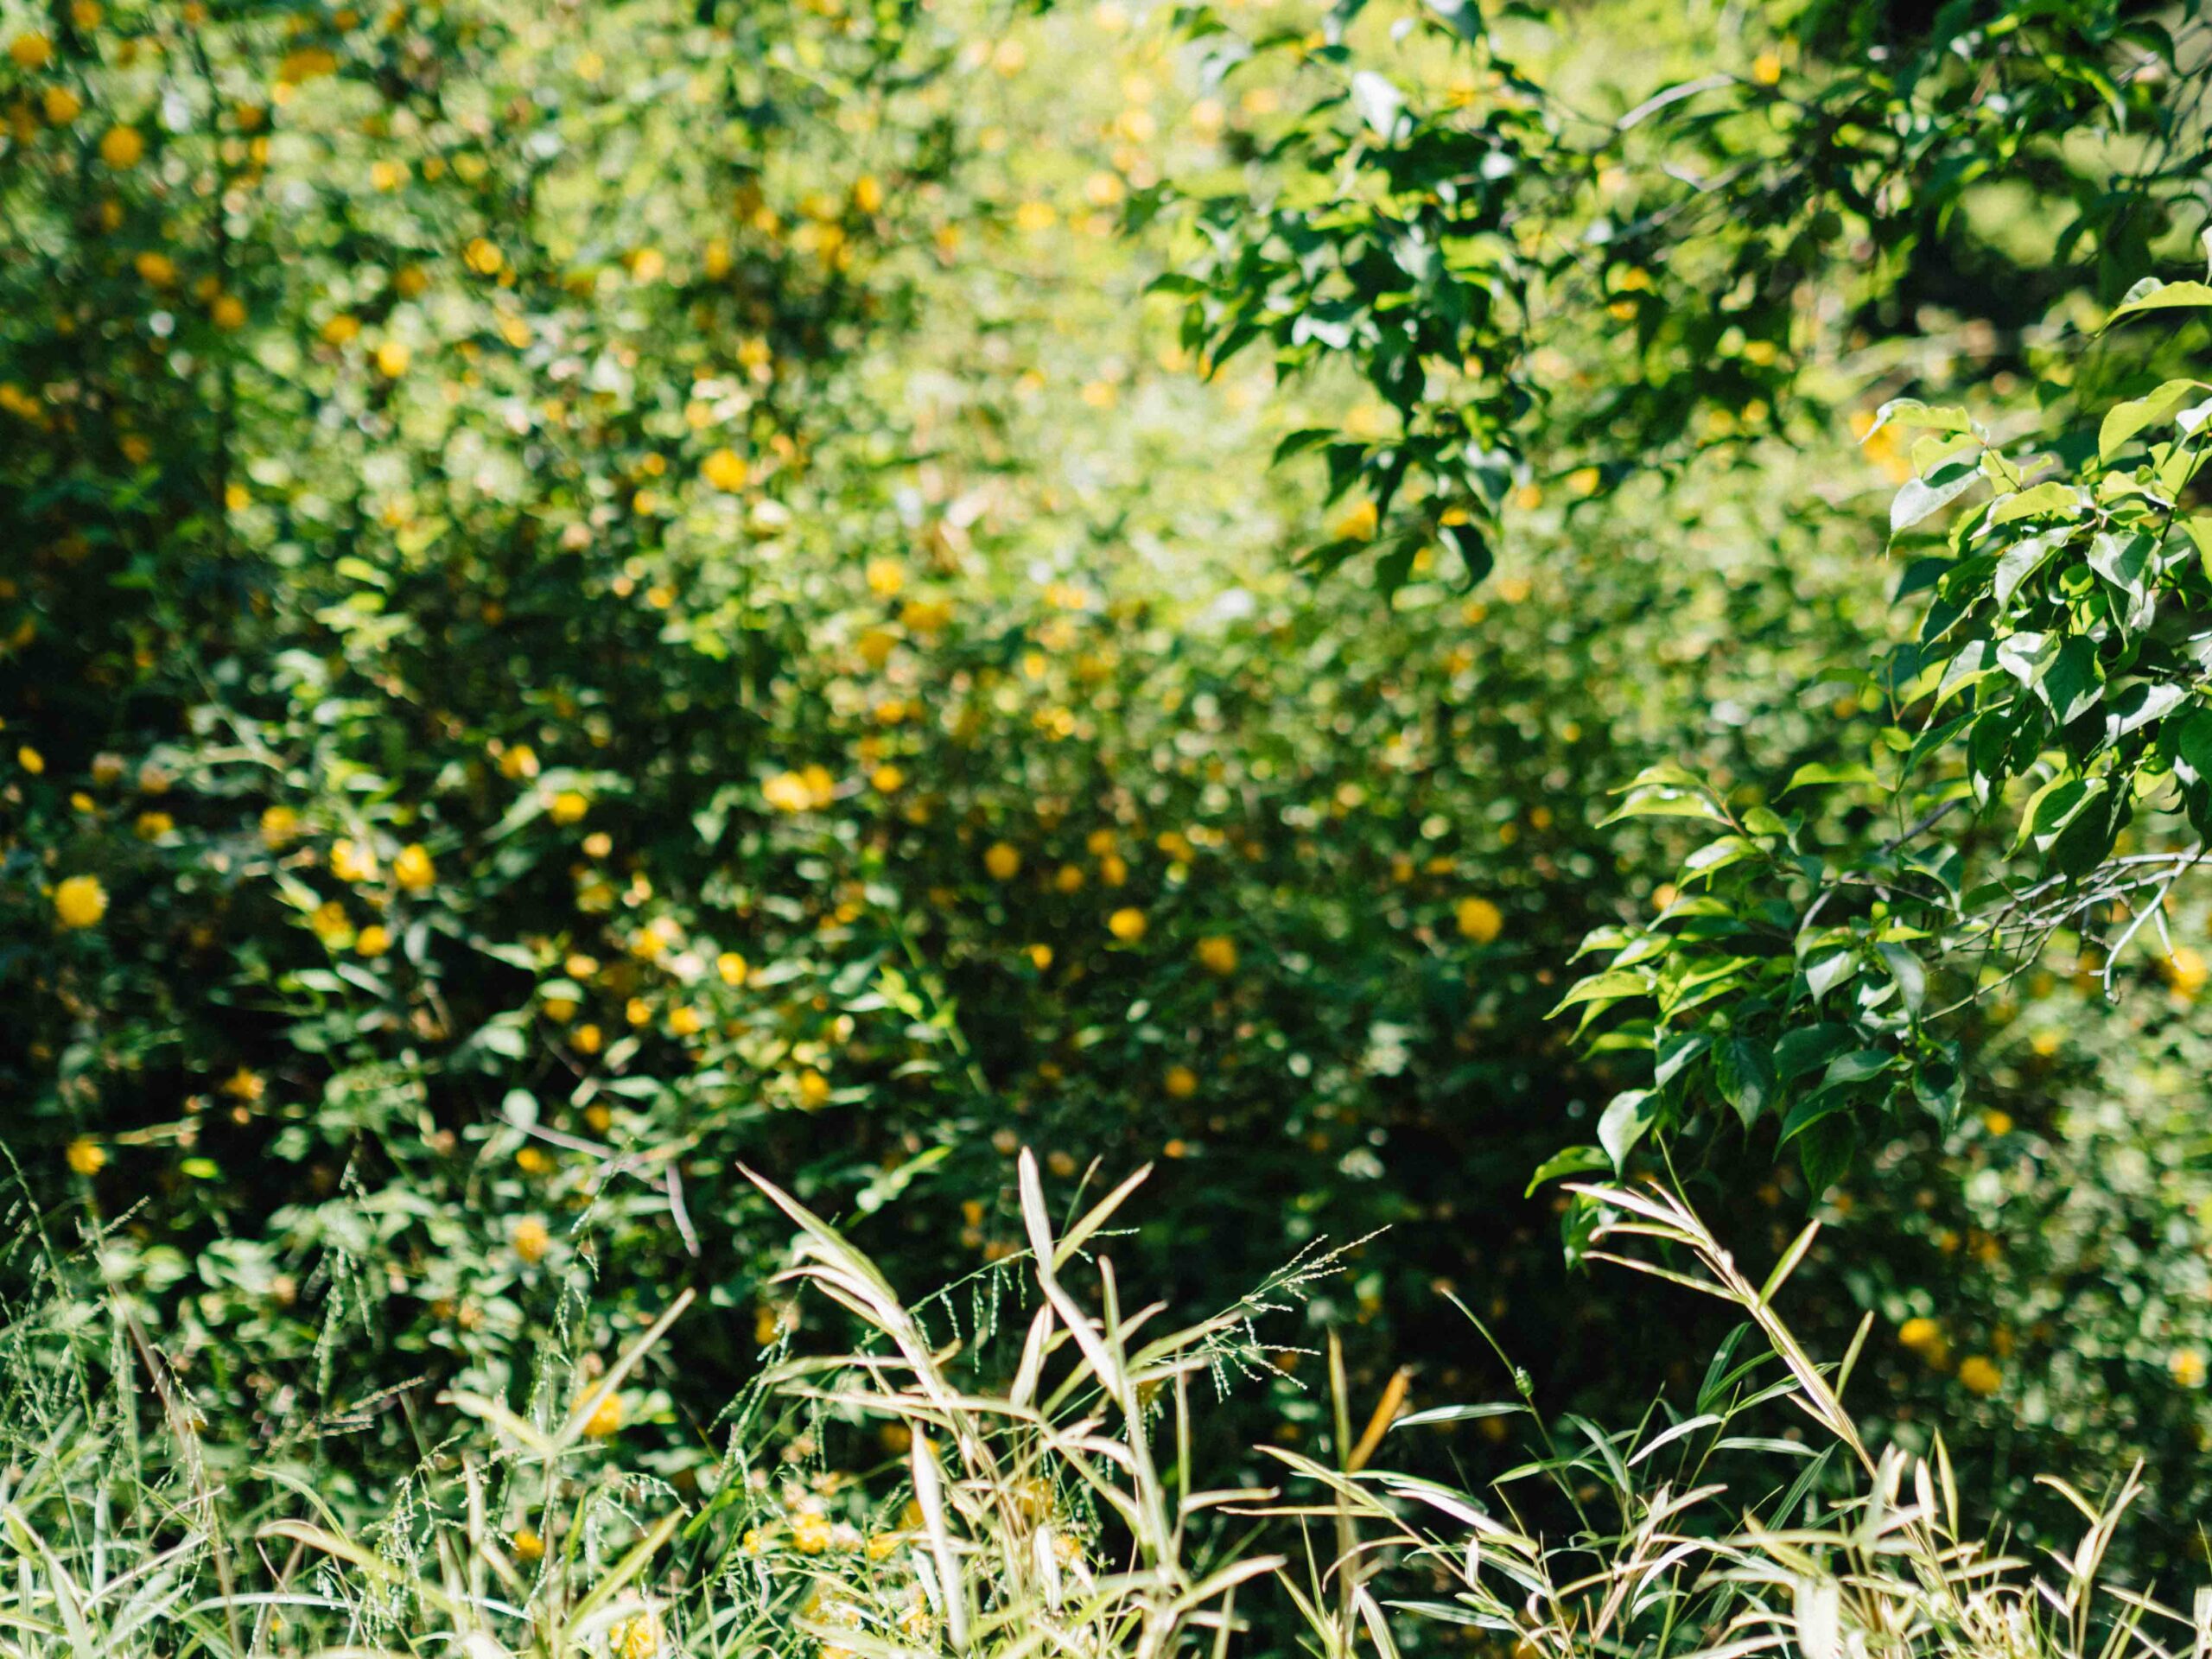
(2044, 500)
(1918, 498)
(1575, 1161)
(2123, 421)
(1625, 1119)
(1744, 1073)
(2152, 294)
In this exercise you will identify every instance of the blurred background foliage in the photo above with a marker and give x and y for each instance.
(601, 593)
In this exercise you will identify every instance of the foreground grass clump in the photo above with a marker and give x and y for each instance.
(1034, 1496)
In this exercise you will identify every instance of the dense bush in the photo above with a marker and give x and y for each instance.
(612, 597)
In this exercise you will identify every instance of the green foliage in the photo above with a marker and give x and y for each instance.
(1550, 274)
(2051, 694)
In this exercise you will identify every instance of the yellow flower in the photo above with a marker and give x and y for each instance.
(374, 940)
(330, 922)
(686, 1021)
(483, 257)
(1218, 955)
(30, 760)
(1181, 1082)
(887, 779)
(568, 807)
(280, 825)
(152, 826)
(413, 869)
(587, 1039)
(732, 967)
(352, 862)
(1127, 924)
(532, 1240)
(31, 50)
(1919, 1332)
(886, 577)
(518, 763)
(228, 312)
(85, 1155)
(246, 1084)
(2186, 970)
(606, 1418)
(1001, 861)
(725, 471)
(1766, 69)
(2186, 1367)
(1041, 956)
(1479, 920)
(121, 147)
(1359, 523)
(1979, 1373)
(392, 359)
(787, 793)
(81, 902)
(813, 1090)
(1068, 878)
(528, 1546)
(560, 1009)
(61, 105)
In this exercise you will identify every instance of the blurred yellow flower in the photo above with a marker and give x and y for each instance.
(374, 940)
(518, 763)
(1181, 1082)
(1001, 861)
(85, 1155)
(280, 826)
(725, 470)
(787, 793)
(568, 807)
(121, 147)
(1127, 924)
(1218, 955)
(351, 862)
(532, 1240)
(81, 902)
(1980, 1374)
(731, 968)
(1479, 920)
(413, 869)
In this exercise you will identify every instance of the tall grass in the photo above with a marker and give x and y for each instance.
(1039, 1498)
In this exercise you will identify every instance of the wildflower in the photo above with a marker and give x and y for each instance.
(81, 902)
(518, 764)
(606, 1418)
(1001, 861)
(1218, 955)
(731, 968)
(85, 1156)
(122, 147)
(1479, 920)
(413, 869)
(787, 793)
(280, 826)
(1181, 1082)
(532, 1240)
(725, 470)
(351, 862)
(1979, 1373)
(528, 1546)
(568, 807)
(1127, 924)
(374, 940)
